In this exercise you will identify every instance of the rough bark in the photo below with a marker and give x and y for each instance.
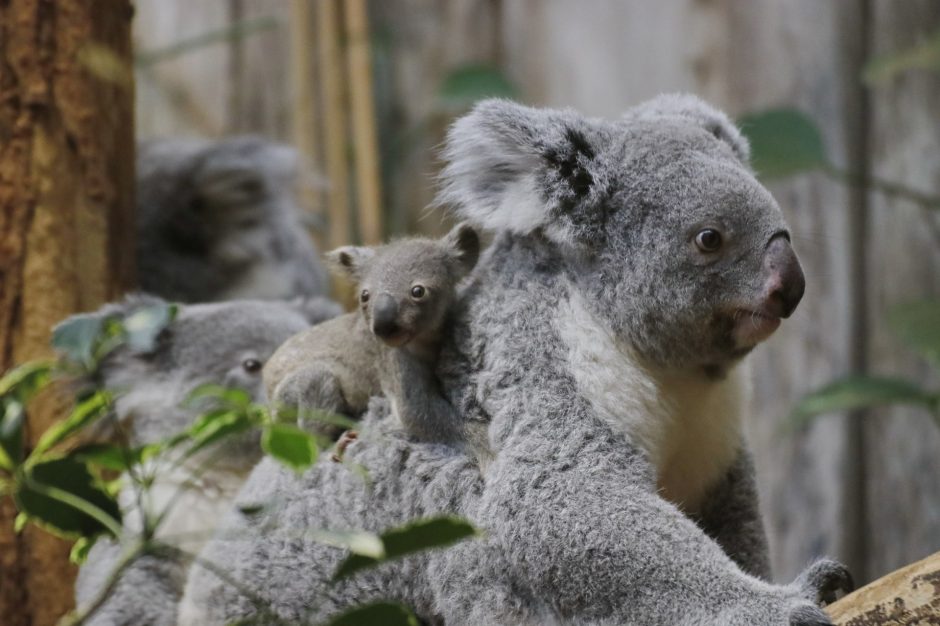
(66, 234)
(908, 597)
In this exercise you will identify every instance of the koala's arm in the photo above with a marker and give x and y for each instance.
(415, 393)
(147, 592)
(731, 516)
(584, 529)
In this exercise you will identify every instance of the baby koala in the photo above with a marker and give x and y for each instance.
(389, 346)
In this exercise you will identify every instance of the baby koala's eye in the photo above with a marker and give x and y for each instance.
(252, 366)
(708, 240)
(418, 292)
(364, 296)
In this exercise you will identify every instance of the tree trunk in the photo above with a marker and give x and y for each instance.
(907, 597)
(66, 228)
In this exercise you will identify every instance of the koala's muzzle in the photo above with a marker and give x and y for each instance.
(784, 283)
(385, 317)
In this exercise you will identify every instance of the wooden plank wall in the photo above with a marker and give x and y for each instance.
(865, 489)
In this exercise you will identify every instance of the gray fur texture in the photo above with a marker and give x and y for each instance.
(225, 344)
(391, 345)
(600, 340)
(218, 220)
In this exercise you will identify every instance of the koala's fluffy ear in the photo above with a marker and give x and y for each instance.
(463, 243)
(694, 109)
(517, 168)
(351, 260)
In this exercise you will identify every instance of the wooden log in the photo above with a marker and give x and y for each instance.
(908, 597)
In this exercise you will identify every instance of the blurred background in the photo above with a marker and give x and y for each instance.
(841, 101)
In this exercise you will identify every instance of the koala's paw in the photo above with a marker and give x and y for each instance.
(345, 440)
(823, 581)
(809, 616)
(307, 391)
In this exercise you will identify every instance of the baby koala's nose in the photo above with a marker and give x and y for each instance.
(384, 316)
(784, 280)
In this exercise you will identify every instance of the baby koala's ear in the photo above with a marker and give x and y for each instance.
(463, 243)
(351, 260)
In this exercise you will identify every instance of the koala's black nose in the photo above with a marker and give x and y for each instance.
(784, 283)
(384, 315)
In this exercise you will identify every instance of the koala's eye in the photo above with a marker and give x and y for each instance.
(418, 292)
(252, 366)
(708, 240)
(364, 296)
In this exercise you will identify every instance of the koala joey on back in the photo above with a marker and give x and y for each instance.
(223, 343)
(218, 220)
(390, 346)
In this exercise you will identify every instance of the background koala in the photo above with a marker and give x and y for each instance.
(226, 344)
(406, 291)
(218, 220)
(635, 263)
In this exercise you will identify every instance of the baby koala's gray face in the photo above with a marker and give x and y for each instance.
(406, 287)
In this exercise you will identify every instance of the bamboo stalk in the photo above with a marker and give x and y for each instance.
(363, 126)
(303, 98)
(334, 122)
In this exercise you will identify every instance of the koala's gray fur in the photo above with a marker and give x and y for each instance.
(221, 343)
(218, 220)
(602, 345)
(390, 345)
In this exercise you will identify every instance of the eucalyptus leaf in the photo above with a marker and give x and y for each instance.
(416, 536)
(918, 325)
(468, 83)
(376, 614)
(857, 392)
(27, 379)
(225, 424)
(77, 338)
(85, 413)
(783, 142)
(12, 419)
(62, 495)
(924, 55)
(213, 394)
(290, 446)
(106, 455)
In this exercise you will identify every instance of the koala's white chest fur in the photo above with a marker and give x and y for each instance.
(688, 425)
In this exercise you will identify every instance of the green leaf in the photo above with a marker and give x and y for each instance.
(918, 325)
(418, 535)
(362, 543)
(290, 445)
(84, 414)
(925, 55)
(783, 142)
(20, 522)
(77, 337)
(857, 392)
(468, 83)
(27, 379)
(62, 494)
(106, 456)
(217, 425)
(217, 395)
(376, 614)
(12, 419)
(144, 325)
(80, 549)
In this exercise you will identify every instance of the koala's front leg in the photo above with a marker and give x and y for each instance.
(310, 389)
(731, 516)
(586, 535)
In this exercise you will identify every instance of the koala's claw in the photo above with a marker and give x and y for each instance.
(822, 580)
(345, 440)
(809, 616)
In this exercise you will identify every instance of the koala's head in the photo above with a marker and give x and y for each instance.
(407, 287)
(229, 204)
(661, 223)
(223, 343)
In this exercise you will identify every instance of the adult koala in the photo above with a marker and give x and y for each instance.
(635, 263)
(218, 220)
(226, 344)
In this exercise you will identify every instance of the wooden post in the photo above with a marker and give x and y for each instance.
(66, 227)
(365, 141)
(907, 597)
